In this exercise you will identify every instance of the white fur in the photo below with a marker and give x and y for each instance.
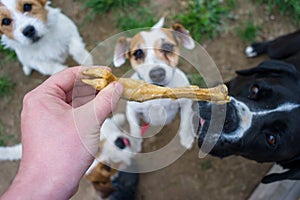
(160, 111)
(59, 38)
(250, 52)
(11, 153)
(110, 131)
(159, 24)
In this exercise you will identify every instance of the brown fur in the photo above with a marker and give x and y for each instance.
(100, 177)
(168, 55)
(4, 29)
(137, 42)
(38, 8)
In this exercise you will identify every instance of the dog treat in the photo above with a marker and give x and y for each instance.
(138, 90)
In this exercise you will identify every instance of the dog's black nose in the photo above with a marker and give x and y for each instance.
(122, 142)
(29, 31)
(232, 120)
(158, 75)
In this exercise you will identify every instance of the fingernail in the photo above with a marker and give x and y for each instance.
(118, 88)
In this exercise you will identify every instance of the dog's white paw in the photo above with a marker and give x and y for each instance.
(250, 52)
(187, 140)
(27, 70)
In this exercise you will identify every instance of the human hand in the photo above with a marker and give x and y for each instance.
(60, 134)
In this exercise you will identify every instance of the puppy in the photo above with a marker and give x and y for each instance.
(114, 154)
(154, 56)
(262, 119)
(41, 36)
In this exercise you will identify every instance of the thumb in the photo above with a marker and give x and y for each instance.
(89, 117)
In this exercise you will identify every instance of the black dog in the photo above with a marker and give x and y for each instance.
(262, 120)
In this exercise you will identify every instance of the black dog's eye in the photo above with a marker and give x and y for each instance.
(271, 139)
(138, 54)
(253, 91)
(27, 7)
(6, 21)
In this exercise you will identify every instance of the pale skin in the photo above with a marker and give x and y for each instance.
(58, 140)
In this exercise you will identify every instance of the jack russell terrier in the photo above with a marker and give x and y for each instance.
(114, 154)
(41, 36)
(154, 56)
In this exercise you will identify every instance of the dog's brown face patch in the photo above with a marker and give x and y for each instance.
(6, 22)
(35, 8)
(166, 49)
(137, 52)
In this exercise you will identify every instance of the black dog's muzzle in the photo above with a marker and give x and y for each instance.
(232, 120)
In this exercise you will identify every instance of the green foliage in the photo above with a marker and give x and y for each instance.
(9, 54)
(6, 85)
(290, 8)
(203, 18)
(142, 17)
(103, 6)
(248, 31)
(196, 79)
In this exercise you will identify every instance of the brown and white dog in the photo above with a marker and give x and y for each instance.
(114, 154)
(154, 56)
(41, 36)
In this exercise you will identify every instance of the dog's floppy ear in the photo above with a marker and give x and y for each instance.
(121, 51)
(292, 174)
(184, 36)
(268, 66)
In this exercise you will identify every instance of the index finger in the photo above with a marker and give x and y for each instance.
(62, 83)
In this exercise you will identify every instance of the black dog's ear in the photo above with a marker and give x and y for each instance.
(292, 174)
(268, 66)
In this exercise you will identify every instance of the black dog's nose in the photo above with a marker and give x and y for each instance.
(232, 120)
(157, 74)
(29, 31)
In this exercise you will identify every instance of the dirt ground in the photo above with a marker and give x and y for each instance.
(189, 177)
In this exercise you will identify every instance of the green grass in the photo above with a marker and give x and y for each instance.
(103, 6)
(6, 85)
(248, 31)
(291, 8)
(9, 54)
(140, 18)
(204, 18)
(5, 138)
(206, 165)
(196, 79)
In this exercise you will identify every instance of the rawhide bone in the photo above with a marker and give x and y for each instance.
(138, 90)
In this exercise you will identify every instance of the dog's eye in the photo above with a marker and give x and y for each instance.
(27, 7)
(253, 92)
(6, 21)
(107, 168)
(271, 139)
(138, 54)
(167, 48)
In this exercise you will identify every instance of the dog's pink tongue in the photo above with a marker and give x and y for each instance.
(202, 121)
(126, 142)
(144, 129)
